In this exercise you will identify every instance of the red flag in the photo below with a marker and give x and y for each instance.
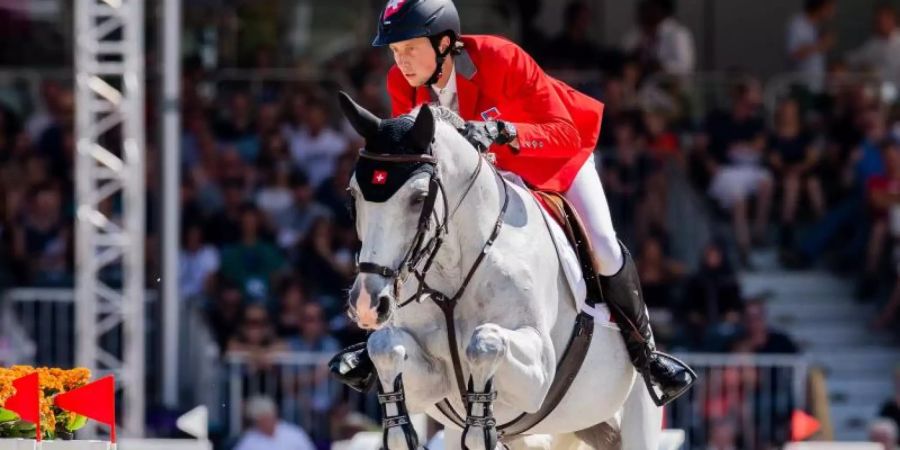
(803, 425)
(27, 401)
(95, 401)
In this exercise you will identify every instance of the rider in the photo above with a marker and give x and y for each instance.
(538, 128)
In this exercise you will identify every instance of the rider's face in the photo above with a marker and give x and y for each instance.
(416, 59)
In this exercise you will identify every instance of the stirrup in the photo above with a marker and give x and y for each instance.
(661, 398)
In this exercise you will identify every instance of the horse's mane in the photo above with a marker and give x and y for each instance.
(443, 114)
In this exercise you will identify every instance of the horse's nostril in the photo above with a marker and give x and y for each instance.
(384, 304)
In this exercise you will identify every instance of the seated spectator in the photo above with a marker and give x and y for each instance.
(625, 174)
(198, 261)
(274, 198)
(319, 260)
(883, 193)
(270, 433)
(712, 302)
(252, 261)
(758, 336)
(43, 238)
(659, 41)
(333, 194)
(572, 48)
(225, 311)
(304, 211)
(723, 435)
(884, 432)
(890, 409)
(238, 129)
(661, 141)
(224, 227)
(274, 153)
(292, 296)
(794, 159)
(881, 53)
(659, 274)
(737, 144)
(255, 337)
(315, 147)
(312, 385)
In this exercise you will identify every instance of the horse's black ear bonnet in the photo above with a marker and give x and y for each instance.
(379, 180)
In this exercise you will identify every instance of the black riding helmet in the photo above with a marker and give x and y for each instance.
(401, 20)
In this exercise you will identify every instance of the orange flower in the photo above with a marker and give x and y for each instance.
(52, 381)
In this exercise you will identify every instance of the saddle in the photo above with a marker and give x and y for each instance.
(565, 215)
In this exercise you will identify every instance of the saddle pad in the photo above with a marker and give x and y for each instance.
(567, 257)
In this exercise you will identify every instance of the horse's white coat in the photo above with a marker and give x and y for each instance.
(513, 322)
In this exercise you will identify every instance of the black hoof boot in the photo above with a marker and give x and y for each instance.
(486, 419)
(400, 419)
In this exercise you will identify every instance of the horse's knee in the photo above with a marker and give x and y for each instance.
(387, 352)
(487, 346)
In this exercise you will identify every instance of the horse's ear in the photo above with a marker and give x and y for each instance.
(422, 132)
(364, 122)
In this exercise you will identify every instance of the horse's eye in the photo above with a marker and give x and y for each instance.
(418, 199)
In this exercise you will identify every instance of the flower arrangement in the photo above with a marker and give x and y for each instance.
(55, 423)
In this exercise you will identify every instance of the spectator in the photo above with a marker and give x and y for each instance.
(198, 261)
(238, 129)
(884, 205)
(314, 146)
(275, 197)
(292, 296)
(794, 159)
(659, 275)
(723, 435)
(881, 53)
(256, 338)
(660, 41)
(572, 48)
(808, 44)
(252, 261)
(890, 409)
(304, 211)
(884, 432)
(312, 385)
(712, 302)
(270, 433)
(737, 142)
(333, 194)
(224, 227)
(625, 175)
(758, 336)
(43, 238)
(226, 311)
(320, 261)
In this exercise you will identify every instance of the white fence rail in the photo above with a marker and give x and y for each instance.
(749, 395)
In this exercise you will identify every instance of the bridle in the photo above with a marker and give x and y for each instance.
(422, 249)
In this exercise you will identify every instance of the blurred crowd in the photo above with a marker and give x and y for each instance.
(268, 244)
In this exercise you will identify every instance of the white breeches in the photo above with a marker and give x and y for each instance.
(587, 196)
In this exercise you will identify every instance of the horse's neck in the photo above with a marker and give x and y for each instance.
(473, 223)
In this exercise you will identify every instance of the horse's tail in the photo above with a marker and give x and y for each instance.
(641, 424)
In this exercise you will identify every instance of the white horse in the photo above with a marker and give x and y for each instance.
(514, 309)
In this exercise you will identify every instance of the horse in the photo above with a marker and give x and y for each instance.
(467, 301)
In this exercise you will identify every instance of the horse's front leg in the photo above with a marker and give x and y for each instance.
(407, 378)
(522, 359)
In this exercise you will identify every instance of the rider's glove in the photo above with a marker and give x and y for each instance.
(482, 134)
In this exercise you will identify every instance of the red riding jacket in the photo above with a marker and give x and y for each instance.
(557, 126)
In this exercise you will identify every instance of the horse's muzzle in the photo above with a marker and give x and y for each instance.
(371, 301)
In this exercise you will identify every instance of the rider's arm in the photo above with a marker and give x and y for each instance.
(551, 131)
(402, 94)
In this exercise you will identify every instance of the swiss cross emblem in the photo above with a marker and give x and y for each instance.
(379, 177)
(392, 7)
(491, 114)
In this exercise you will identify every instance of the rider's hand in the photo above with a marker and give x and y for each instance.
(481, 134)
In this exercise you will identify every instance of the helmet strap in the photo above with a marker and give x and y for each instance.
(440, 58)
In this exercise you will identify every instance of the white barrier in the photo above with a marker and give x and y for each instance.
(834, 446)
(123, 444)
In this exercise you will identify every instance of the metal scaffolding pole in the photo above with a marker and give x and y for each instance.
(110, 196)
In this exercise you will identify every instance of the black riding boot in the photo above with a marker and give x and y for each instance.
(353, 367)
(622, 292)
